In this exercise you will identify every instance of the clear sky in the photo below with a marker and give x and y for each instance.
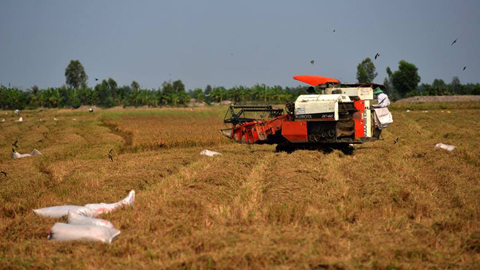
(227, 43)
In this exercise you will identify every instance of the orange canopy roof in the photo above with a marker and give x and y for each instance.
(315, 80)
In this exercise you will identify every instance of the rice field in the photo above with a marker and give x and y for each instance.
(404, 205)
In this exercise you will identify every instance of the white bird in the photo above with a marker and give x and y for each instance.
(19, 119)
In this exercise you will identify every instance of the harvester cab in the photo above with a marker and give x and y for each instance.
(339, 115)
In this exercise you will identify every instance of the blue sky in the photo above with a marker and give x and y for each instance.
(227, 43)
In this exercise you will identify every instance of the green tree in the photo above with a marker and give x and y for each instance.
(388, 80)
(135, 85)
(218, 94)
(174, 93)
(178, 86)
(456, 86)
(208, 89)
(199, 95)
(75, 75)
(12, 98)
(51, 98)
(439, 87)
(105, 92)
(87, 96)
(366, 71)
(113, 89)
(406, 78)
(35, 90)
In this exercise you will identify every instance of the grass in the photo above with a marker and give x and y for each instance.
(402, 106)
(387, 206)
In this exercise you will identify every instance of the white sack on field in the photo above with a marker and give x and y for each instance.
(70, 232)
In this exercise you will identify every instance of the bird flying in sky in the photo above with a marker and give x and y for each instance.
(377, 55)
(455, 41)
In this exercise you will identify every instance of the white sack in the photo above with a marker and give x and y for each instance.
(445, 146)
(74, 218)
(89, 210)
(16, 155)
(70, 232)
(60, 211)
(209, 153)
(383, 117)
(101, 208)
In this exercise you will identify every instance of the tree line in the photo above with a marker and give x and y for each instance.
(107, 93)
(404, 82)
(172, 93)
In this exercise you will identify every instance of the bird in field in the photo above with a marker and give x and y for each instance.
(377, 55)
(110, 157)
(111, 150)
(4, 173)
(312, 62)
(455, 41)
(15, 144)
(396, 140)
(464, 68)
(39, 141)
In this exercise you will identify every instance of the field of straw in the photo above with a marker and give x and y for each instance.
(403, 205)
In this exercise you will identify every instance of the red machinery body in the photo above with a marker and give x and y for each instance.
(340, 115)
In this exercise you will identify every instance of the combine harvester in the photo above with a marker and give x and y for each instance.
(338, 117)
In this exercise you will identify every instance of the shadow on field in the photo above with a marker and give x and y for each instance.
(325, 148)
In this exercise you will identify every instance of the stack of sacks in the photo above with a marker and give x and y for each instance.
(82, 224)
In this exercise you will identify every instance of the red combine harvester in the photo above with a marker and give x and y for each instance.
(341, 115)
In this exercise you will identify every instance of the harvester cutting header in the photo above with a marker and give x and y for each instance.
(340, 115)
